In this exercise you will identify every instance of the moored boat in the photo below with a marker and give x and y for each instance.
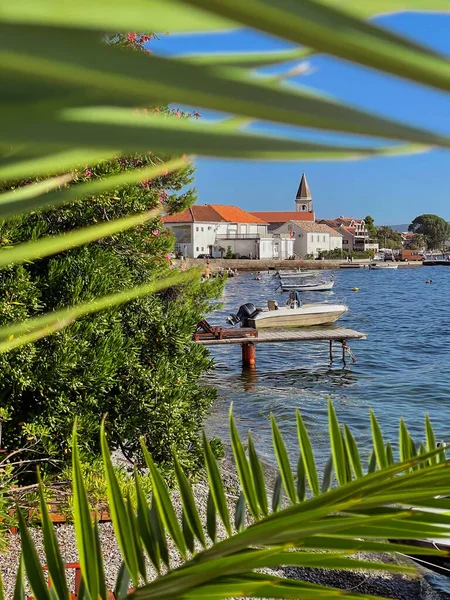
(294, 314)
(299, 275)
(320, 286)
(381, 266)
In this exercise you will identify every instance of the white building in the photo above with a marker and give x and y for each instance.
(212, 229)
(354, 232)
(310, 238)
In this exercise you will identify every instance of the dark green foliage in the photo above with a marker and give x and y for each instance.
(388, 237)
(435, 229)
(137, 362)
(370, 226)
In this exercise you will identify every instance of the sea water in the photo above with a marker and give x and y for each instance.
(402, 369)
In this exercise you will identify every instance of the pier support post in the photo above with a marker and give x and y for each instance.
(248, 354)
(331, 350)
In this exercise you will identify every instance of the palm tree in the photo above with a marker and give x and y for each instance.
(308, 520)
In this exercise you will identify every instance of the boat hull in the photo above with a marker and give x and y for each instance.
(282, 320)
(324, 287)
(382, 267)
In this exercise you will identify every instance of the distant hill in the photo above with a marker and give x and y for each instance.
(400, 228)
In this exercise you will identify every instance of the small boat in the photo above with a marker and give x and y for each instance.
(294, 314)
(352, 266)
(381, 266)
(320, 286)
(299, 274)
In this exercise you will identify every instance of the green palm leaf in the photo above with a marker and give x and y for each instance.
(283, 461)
(86, 543)
(21, 333)
(330, 30)
(37, 195)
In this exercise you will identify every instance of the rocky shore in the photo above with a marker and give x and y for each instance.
(387, 585)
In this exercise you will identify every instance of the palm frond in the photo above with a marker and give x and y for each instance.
(353, 512)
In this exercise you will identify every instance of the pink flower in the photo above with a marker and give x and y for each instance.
(160, 200)
(169, 256)
(165, 172)
(131, 37)
(88, 173)
(155, 232)
(178, 114)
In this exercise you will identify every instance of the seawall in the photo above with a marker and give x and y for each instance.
(265, 264)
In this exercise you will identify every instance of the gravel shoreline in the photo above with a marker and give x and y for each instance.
(388, 585)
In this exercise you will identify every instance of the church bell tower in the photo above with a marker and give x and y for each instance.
(303, 200)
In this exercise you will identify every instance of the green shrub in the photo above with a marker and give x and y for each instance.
(136, 362)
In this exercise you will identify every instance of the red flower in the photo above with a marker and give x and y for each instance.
(88, 173)
(131, 37)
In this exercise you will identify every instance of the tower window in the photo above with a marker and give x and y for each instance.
(304, 207)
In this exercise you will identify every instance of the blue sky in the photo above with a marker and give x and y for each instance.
(393, 190)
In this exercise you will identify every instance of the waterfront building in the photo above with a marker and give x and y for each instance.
(355, 237)
(211, 229)
(311, 238)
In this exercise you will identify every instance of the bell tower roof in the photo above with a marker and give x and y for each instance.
(303, 192)
(303, 199)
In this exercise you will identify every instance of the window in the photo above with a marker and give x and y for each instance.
(209, 228)
(203, 249)
(345, 241)
(323, 238)
(202, 228)
(318, 238)
(197, 249)
(197, 229)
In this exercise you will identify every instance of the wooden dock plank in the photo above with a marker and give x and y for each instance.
(306, 334)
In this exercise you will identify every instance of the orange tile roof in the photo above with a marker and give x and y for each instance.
(234, 214)
(195, 213)
(284, 216)
(215, 213)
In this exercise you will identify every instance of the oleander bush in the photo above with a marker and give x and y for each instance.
(136, 362)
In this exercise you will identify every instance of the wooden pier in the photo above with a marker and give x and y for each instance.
(330, 334)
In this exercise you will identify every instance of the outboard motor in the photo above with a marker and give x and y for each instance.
(245, 312)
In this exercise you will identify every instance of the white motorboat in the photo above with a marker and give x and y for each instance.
(294, 314)
(298, 275)
(320, 286)
(381, 266)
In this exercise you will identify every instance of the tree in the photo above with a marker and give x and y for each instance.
(370, 226)
(137, 362)
(434, 228)
(229, 253)
(222, 250)
(388, 237)
(418, 242)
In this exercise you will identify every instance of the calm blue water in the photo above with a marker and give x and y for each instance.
(402, 368)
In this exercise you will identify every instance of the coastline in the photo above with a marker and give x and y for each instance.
(265, 264)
